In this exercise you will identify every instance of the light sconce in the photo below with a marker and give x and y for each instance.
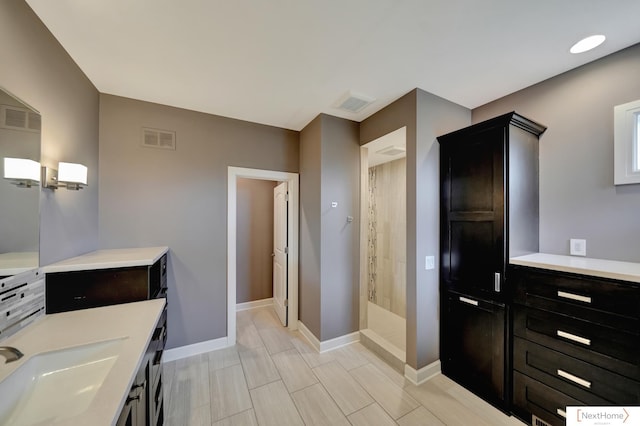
(69, 175)
(22, 172)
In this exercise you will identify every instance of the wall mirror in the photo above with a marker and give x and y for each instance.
(20, 128)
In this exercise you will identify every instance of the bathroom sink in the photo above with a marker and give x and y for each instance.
(56, 385)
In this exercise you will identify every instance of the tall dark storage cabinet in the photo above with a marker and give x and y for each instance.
(489, 213)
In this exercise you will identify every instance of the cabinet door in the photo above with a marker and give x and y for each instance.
(472, 212)
(473, 338)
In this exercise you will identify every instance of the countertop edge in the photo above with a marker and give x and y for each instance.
(611, 269)
(92, 261)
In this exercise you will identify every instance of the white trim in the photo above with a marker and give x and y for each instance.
(340, 341)
(195, 349)
(418, 377)
(292, 265)
(327, 345)
(254, 304)
(307, 334)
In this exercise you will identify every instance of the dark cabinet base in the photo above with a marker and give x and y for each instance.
(473, 342)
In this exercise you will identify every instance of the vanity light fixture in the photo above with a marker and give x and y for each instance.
(587, 43)
(72, 176)
(22, 171)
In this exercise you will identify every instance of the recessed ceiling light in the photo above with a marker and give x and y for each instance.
(587, 44)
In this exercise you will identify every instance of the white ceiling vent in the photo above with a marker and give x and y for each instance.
(17, 118)
(353, 102)
(156, 138)
(392, 150)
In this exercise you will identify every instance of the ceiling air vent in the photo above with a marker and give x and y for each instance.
(16, 118)
(392, 150)
(353, 102)
(156, 138)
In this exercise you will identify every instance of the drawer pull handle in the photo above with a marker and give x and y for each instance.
(574, 379)
(561, 412)
(579, 298)
(469, 301)
(573, 337)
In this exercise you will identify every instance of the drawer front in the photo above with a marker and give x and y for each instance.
(576, 378)
(613, 349)
(68, 291)
(538, 288)
(533, 397)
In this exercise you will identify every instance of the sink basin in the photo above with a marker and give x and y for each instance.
(52, 386)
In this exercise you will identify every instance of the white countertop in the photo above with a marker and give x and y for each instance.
(134, 321)
(624, 271)
(109, 258)
(18, 262)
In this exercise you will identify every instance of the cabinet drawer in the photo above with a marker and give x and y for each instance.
(611, 348)
(68, 291)
(576, 378)
(532, 397)
(540, 289)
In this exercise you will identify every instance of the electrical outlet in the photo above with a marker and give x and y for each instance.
(577, 247)
(429, 262)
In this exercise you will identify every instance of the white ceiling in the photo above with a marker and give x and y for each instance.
(282, 62)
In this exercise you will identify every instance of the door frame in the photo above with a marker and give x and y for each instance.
(292, 235)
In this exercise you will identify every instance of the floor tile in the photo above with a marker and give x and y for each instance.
(444, 406)
(248, 337)
(392, 398)
(229, 391)
(371, 415)
(343, 388)
(223, 358)
(276, 339)
(274, 406)
(258, 367)
(317, 408)
(308, 353)
(190, 385)
(350, 356)
(295, 373)
(420, 417)
(246, 418)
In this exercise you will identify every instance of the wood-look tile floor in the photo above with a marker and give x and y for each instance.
(274, 377)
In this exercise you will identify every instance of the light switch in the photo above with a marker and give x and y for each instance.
(429, 262)
(334, 204)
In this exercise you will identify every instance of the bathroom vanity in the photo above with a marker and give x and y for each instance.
(116, 276)
(576, 335)
(78, 367)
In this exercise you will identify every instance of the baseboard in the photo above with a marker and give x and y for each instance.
(307, 334)
(245, 306)
(194, 349)
(328, 345)
(418, 377)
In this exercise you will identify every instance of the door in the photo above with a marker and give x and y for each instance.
(474, 345)
(280, 251)
(472, 234)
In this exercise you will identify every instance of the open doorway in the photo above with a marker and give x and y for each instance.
(383, 246)
(285, 240)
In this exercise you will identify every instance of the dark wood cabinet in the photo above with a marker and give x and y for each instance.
(473, 350)
(577, 336)
(488, 213)
(134, 412)
(90, 288)
(68, 291)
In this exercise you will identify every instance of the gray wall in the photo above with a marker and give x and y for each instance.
(340, 258)
(309, 268)
(426, 116)
(254, 239)
(178, 198)
(35, 68)
(329, 258)
(577, 195)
